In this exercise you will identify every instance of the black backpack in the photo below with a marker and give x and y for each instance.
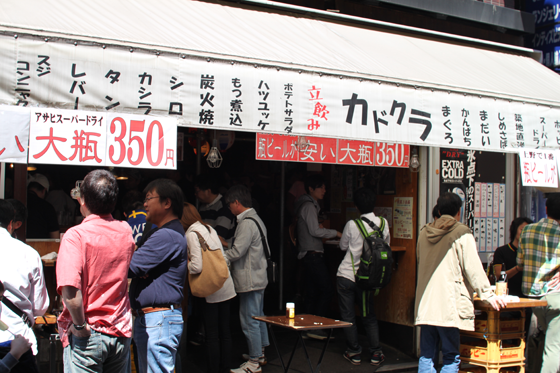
(376, 263)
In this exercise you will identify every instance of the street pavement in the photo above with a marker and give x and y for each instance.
(333, 361)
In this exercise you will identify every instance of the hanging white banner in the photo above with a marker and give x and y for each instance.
(539, 168)
(14, 134)
(242, 97)
(101, 139)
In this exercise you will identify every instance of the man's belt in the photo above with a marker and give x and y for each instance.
(146, 310)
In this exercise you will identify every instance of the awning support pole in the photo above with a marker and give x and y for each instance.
(282, 209)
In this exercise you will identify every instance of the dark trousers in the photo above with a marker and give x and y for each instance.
(27, 362)
(218, 336)
(349, 294)
(318, 289)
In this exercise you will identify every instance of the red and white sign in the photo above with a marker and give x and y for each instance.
(333, 151)
(141, 141)
(539, 168)
(14, 134)
(102, 139)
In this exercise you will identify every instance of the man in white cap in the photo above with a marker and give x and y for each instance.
(42, 221)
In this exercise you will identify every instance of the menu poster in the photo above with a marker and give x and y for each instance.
(402, 217)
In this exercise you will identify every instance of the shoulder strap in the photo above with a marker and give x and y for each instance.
(203, 245)
(15, 309)
(361, 228)
(376, 229)
(265, 245)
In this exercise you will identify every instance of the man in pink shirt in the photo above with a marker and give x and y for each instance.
(92, 267)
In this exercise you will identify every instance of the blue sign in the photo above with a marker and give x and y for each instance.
(546, 12)
(546, 37)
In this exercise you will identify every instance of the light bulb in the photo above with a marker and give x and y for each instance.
(414, 163)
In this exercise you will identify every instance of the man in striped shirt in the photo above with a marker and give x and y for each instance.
(538, 257)
(213, 210)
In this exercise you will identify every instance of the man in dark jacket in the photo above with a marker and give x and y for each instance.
(310, 234)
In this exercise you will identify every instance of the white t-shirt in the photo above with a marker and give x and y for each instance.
(352, 242)
(21, 272)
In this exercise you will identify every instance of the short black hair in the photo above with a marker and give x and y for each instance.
(449, 204)
(99, 191)
(364, 199)
(313, 181)
(2, 289)
(435, 212)
(20, 210)
(553, 205)
(168, 189)
(132, 200)
(239, 193)
(207, 181)
(7, 213)
(36, 186)
(515, 226)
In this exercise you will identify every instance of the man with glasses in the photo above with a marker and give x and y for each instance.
(158, 270)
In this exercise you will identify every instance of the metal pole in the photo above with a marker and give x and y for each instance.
(198, 156)
(282, 209)
(2, 179)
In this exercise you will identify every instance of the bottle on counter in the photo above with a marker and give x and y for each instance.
(501, 283)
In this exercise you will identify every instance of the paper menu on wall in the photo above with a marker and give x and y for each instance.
(482, 237)
(502, 238)
(489, 199)
(502, 201)
(476, 232)
(483, 200)
(489, 234)
(477, 200)
(496, 203)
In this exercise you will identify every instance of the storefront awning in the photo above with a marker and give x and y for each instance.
(223, 67)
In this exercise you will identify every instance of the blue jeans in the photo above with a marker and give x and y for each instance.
(430, 337)
(98, 353)
(318, 288)
(157, 336)
(349, 295)
(251, 304)
(549, 321)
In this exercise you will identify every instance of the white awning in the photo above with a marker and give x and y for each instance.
(224, 67)
(228, 32)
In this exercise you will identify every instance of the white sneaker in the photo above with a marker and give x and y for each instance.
(262, 359)
(248, 367)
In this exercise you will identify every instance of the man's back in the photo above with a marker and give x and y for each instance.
(94, 258)
(219, 217)
(539, 249)
(21, 271)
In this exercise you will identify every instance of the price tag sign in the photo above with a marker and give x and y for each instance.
(141, 141)
(392, 155)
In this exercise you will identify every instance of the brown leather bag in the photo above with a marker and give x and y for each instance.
(214, 271)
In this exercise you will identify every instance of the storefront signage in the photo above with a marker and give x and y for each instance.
(334, 151)
(402, 217)
(545, 11)
(74, 137)
(14, 134)
(539, 168)
(220, 95)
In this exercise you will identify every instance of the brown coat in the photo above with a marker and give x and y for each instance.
(449, 268)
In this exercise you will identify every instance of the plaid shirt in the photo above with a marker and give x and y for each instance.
(539, 255)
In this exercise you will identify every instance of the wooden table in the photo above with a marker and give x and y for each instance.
(300, 324)
(491, 353)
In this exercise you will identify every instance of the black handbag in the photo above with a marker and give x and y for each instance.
(272, 271)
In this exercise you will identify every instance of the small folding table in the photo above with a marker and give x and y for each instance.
(299, 324)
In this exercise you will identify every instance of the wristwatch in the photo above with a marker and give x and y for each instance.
(80, 327)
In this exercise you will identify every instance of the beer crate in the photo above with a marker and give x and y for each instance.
(492, 351)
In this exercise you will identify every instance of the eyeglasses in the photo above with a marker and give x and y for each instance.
(149, 198)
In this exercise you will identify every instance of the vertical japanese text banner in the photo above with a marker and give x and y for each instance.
(14, 134)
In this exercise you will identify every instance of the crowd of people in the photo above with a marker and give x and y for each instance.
(123, 283)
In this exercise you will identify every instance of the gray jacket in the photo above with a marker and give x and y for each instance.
(309, 234)
(246, 255)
